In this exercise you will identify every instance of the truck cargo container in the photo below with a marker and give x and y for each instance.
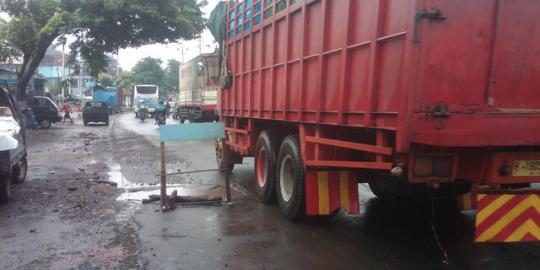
(199, 80)
(428, 98)
(112, 96)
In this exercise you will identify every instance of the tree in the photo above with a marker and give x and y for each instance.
(105, 80)
(171, 78)
(8, 53)
(99, 27)
(124, 80)
(148, 71)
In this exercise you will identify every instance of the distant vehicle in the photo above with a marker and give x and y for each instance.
(161, 117)
(199, 80)
(112, 96)
(175, 111)
(45, 111)
(13, 162)
(142, 111)
(148, 94)
(161, 114)
(96, 111)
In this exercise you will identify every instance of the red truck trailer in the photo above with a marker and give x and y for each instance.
(199, 80)
(435, 98)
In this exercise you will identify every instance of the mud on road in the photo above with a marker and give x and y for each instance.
(62, 217)
(80, 208)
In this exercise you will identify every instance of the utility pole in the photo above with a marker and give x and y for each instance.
(117, 62)
(63, 71)
(181, 52)
(81, 80)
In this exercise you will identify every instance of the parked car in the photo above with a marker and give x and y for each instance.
(45, 111)
(96, 111)
(13, 162)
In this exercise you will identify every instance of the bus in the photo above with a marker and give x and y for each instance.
(146, 92)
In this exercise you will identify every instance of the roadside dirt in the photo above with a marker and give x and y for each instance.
(61, 217)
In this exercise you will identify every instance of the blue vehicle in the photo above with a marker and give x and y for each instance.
(109, 95)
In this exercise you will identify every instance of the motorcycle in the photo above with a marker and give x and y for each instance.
(161, 118)
(142, 113)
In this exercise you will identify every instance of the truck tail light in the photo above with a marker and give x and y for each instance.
(442, 166)
(426, 166)
(423, 166)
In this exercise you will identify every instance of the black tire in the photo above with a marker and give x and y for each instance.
(107, 122)
(290, 179)
(225, 156)
(44, 123)
(19, 171)
(182, 120)
(85, 122)
(5, 188)
(265, 166)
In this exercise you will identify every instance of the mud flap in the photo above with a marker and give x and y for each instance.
(327, 191)
(508, 217)
(467, 201)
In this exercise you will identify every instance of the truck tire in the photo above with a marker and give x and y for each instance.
(19, 171)
(265, 166)
(290, 179)
(5, 188)
(225, 156)
(378, 190)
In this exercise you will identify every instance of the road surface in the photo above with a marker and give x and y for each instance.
(66, 216)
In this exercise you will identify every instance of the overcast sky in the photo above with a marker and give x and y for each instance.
(129, 57)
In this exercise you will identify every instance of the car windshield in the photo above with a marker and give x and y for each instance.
(5, 111)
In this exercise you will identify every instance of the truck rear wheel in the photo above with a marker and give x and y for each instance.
(290, 183)
(5, 188)
(265, 166)
(19, 171)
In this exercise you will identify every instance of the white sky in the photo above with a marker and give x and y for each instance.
(130, 56)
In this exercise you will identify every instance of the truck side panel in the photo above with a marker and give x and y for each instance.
(311, 62)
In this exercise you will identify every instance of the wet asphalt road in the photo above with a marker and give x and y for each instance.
(98, 226)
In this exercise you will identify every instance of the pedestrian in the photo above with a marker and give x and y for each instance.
(67, 113)
(30, 119)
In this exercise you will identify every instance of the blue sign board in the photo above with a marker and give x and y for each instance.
(195, 131)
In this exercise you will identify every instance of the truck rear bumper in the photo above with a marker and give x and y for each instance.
(508, 216)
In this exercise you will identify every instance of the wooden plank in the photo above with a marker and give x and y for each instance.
(236, 130)
(163, 177)
(349, 164)
(350, 145)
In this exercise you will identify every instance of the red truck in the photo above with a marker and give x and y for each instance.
(428, 98)
(199, 80)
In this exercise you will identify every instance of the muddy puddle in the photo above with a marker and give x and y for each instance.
(138, 191)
